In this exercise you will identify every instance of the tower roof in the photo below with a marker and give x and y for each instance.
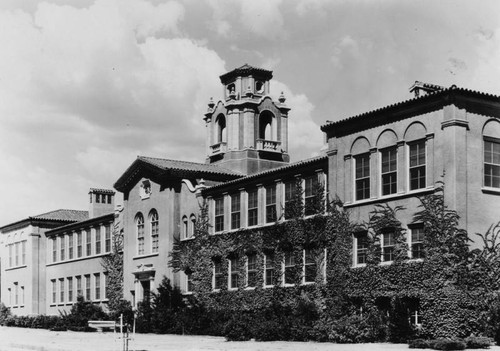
(246, 70)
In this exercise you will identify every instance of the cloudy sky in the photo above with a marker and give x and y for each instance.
(86, 86)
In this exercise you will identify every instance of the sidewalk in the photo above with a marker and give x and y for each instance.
(16, 339)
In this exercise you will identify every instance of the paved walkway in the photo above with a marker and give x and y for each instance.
(16, 339)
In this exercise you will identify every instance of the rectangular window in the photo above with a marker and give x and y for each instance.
(140, 237)
(189, 283)
(16, 293)
(154, 234)
(23, 252)
(70, 289)
(389, 171)
(388, 246)
(16, 247)
(269, 270)
(88, 242)
(290, 188)
(87, 287)
(54, 290)
(251, 270)
(11, 247)
(79, 244)
(361, 247)
(22, 295)
(107, 230)
(417, 242)
(54, 249)
(61, 290)
(218, 275)
(106, 285)
(271, 213)
(234, 282)
(362, 176)
(289, 267)
(97, 280)
(63, 247)
(310, 185)
(310, 266)
(97, 240)
(219, 214)
(235, 210)
(491, 164)
(79, 291)
(417, 165)
(253, 204)
(70, 246)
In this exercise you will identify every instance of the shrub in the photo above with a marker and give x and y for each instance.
(448, 344)
(478, 342)
(419, 344)
(4, 313)
(238, 329)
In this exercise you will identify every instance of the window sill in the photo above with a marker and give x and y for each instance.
(386, 198)
(307, 283)
(16, 267)
(78, 259)
(250, 288)
(138, 257)
(188, 239)
(187, 293)
(491, 191)
(268, 286)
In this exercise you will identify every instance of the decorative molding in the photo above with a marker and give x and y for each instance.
(455, 122)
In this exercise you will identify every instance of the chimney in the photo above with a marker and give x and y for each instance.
(421, 89)
(102, 201)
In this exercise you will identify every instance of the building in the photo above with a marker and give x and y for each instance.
(74, 259)
(390, 155)
(23, 252)
(50, 259)
(399, 152)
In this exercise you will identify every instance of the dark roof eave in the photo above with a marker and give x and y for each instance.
(402, 109)
(35, 222)
(253, 177)
(123, 183)
(86, 222)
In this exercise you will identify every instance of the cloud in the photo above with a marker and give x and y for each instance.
(262, 18)
(85, 90)
(304, 135)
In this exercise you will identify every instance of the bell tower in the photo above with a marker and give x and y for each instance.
(247, 131)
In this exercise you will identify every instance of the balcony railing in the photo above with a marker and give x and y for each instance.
(219, 148)
(268, 145)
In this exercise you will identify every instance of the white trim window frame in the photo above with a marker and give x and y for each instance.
(389, 170)
(388, 244)
(234, 273)
(309, 267)
(362, 176)
(251, 268)
(288, 268)
(235, 210)
(269, 270)
(417, 242)
(491, 172)
(417, 165)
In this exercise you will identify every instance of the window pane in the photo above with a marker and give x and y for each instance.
(362, 177)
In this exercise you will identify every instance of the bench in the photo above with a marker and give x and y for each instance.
(100, 325)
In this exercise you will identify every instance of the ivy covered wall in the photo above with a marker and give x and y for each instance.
(445, 294)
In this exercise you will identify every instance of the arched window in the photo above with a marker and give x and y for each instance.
(192, 223)
(266, 126)
(153, 219)
(221, 129)
(185, 227)
(139, 221)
